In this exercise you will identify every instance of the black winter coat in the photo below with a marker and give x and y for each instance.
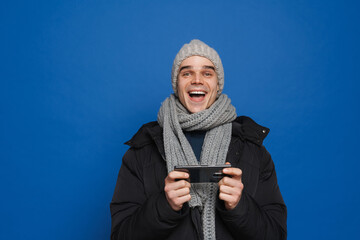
(139, 208)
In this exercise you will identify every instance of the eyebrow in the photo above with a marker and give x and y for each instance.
(203, 67)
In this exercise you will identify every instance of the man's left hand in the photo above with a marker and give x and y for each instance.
(230, 188)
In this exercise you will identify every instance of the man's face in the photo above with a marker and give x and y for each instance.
(197, 83)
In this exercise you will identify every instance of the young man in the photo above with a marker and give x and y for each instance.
(197, 125)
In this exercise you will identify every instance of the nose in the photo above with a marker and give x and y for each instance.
(197, 79)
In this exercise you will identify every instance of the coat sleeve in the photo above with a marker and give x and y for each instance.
(262, 215)
(134, 215)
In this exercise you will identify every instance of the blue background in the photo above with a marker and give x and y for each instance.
(78, 78)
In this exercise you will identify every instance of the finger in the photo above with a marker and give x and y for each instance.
(227, 198)
(174, 175)
(234, 172)
(231, 182)
(173, 186)
(181, 200)
(178, 193)
(170, 186)
(235, 191)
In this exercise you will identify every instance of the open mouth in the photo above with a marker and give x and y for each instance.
(197, 96)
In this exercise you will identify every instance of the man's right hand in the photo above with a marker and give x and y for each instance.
(177, 189)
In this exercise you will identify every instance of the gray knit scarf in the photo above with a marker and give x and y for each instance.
(216, 120)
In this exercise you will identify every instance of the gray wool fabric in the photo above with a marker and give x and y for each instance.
(216, 120)
(197, 48)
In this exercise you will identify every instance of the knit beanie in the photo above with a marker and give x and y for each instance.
(197, 48)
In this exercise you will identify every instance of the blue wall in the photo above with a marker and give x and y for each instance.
(78, 78)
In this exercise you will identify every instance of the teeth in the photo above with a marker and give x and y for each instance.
(197, 92)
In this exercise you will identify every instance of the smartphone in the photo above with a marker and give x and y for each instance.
(203, 173)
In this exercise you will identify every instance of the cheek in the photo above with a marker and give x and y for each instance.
(181, 84)
(215, 88)
(181, 93)
(179, 88)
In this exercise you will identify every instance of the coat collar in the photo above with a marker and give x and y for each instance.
(243, 127)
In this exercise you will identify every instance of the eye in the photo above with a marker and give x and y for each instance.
(185, 74)
(208, 74)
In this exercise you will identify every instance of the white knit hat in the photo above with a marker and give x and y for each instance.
(197, 48)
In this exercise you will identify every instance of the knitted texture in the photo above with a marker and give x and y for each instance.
(197, 48)
(216, 120)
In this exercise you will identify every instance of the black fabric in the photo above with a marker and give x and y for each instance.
(196, 140)
(139, 208)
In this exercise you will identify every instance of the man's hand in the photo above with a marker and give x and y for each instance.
(230, 188)
(177, 191)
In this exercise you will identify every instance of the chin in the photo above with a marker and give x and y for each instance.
(194, 107)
